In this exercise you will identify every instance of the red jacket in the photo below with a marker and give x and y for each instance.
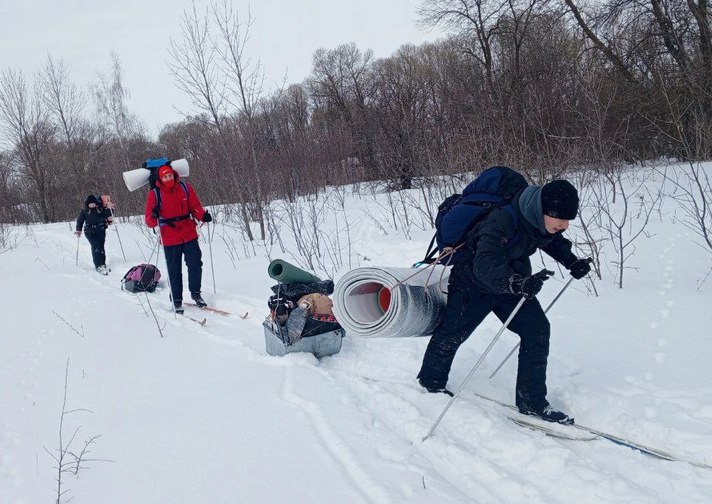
(175, 203)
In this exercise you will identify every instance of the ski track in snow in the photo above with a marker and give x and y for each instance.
(339, 451)
(450, 452)
(475, 456)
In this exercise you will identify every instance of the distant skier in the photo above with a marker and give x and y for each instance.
(95, 218)
(496, 277)
(172, 205)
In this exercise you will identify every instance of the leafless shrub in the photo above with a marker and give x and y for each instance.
(304, 218)
(10, 237)
(692, 191)
(627, 220)
(69, 460)
(149, 240)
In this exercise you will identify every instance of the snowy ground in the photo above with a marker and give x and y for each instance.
(204, 415)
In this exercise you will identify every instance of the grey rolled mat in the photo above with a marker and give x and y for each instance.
(373, 303)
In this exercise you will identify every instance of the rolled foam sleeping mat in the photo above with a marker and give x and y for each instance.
(284, 272)
(380, 302)
(139, 177)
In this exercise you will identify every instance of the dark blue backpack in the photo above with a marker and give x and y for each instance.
(460, 213)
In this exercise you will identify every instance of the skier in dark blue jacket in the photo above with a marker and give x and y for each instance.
(495, 278)
(95, 218)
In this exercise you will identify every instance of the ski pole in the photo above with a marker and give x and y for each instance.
(76, 261)
(168, 273)
(116, 227)
(155, 250)
(519, 343)
(210, 248)
(477, 365)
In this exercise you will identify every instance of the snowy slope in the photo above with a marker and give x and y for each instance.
(204, 415)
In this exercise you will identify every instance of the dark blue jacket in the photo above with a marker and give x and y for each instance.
(94, 220)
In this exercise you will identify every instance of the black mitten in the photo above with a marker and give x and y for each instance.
(529, 286)
(580, 268)
(207, 217)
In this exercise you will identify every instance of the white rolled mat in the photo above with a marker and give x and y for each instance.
(362, 306)
(139, 177)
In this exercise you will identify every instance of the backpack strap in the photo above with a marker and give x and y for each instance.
(170, 221)
(509, 208)
(430, 254)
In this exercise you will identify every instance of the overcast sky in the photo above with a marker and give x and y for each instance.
(285, 34)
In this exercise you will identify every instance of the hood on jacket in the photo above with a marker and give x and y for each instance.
(92, 199)
(530, 207)
(164, 168)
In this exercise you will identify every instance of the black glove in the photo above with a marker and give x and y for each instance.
(155, 212)
(580, 268)
(529, 286)
(207, 217)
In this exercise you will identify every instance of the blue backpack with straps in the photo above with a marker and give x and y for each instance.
(459, 214)
(162, 221)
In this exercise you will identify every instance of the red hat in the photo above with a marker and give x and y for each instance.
(164, 170)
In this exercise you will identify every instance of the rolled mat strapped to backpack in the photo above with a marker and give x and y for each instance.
(139, 177)
(286, 273)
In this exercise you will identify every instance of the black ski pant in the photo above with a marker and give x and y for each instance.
(96, 238)
(465, 310)
(190, 251)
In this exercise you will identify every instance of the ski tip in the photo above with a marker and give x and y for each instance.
(243, 317)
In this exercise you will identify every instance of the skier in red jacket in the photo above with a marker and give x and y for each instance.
(172, 206)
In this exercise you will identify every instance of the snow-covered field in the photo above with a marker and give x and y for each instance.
(204, 415)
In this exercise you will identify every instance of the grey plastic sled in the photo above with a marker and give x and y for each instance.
(321, 345)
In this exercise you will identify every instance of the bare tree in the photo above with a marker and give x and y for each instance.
(474, 23)
(656, 44)
(65, 101)
(26, 128)
(76, 136)
(194, 67)
(121, 125)
(245, 80)
(213, 71)
(341, 82)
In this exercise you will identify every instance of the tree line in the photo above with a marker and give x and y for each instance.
(546, 86)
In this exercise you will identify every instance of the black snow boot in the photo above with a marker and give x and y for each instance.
(435, 390)
(178, 307)
(199, 301)
(546, 413)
